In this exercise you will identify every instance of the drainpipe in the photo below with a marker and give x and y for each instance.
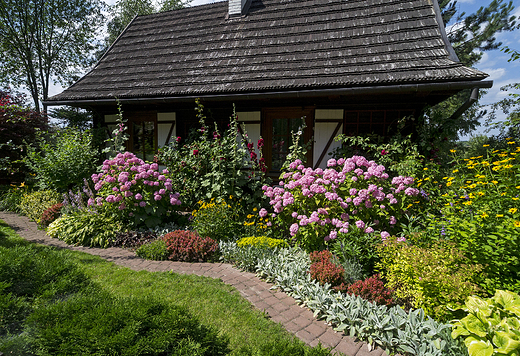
(472, 98)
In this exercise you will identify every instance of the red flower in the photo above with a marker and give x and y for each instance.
(260, 143)
(383, 152)
(179, 139)
(195, 152)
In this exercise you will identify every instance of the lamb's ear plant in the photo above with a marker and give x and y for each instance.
(492, 326)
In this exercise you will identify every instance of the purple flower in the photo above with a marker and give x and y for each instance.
(384, 235)
(142, 204)
(294, 229)
(360, 224)
(138, 196)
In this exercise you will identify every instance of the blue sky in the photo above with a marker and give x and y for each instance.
(495, 63)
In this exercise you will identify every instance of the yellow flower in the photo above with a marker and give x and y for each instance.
(484, 215)
(485, 145)
(453, 151)
(503, 194)
(469, 202)
(494, 182)
(500, 215)
(249, 216)
(425, 169)
(513, 210)
(456, 171)
(517, 223)
(511, 142)
(255, 209)
(448, 184)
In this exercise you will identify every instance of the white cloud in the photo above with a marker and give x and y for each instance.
(494, 73)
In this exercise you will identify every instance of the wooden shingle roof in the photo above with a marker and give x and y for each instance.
(281, 45)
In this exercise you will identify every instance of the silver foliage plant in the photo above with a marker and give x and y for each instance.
(393, 329)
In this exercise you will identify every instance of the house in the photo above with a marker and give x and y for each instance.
(345, 66)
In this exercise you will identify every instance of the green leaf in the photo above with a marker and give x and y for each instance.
(459, 330)
(474, 325)
(506, 299)
(475, 304)
(504, 343)
(478, 347)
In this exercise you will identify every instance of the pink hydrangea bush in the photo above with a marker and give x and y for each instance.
(351, 195)
(135, 191)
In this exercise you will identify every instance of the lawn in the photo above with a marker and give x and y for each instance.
(226, 322)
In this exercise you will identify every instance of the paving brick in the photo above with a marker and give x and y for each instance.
(363, 351)
(291, 326)
(302, 321)
(316, 329)
(330, 338)
(305, 336)
(348, 346)
(291, 313)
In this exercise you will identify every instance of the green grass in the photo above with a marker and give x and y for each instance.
(218, 310)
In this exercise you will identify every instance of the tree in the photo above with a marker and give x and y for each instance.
(124, 12)
(18, 127)
(470, 35)
(46, 41)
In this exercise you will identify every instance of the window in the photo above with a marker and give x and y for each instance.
(143, 134)
(276, 131)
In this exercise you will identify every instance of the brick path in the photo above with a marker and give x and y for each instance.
(280, 307)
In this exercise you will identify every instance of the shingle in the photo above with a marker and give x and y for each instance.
(280, 45)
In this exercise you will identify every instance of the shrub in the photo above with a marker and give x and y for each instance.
(433, 278)
(480, 213)
(262, 241)
(354, 194)
(254, 225)
(18, 127)
(62, 159)
(33, 205)
(247, 256)
(373, 290)
(85, 228)
(324, 270)
(218, 219)
(134, 192)
(492, 326)
(188, 246)
(11, 198)
(356, 251)
(50, 215)
(96, 323)
(154, 250)
(215, 165)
